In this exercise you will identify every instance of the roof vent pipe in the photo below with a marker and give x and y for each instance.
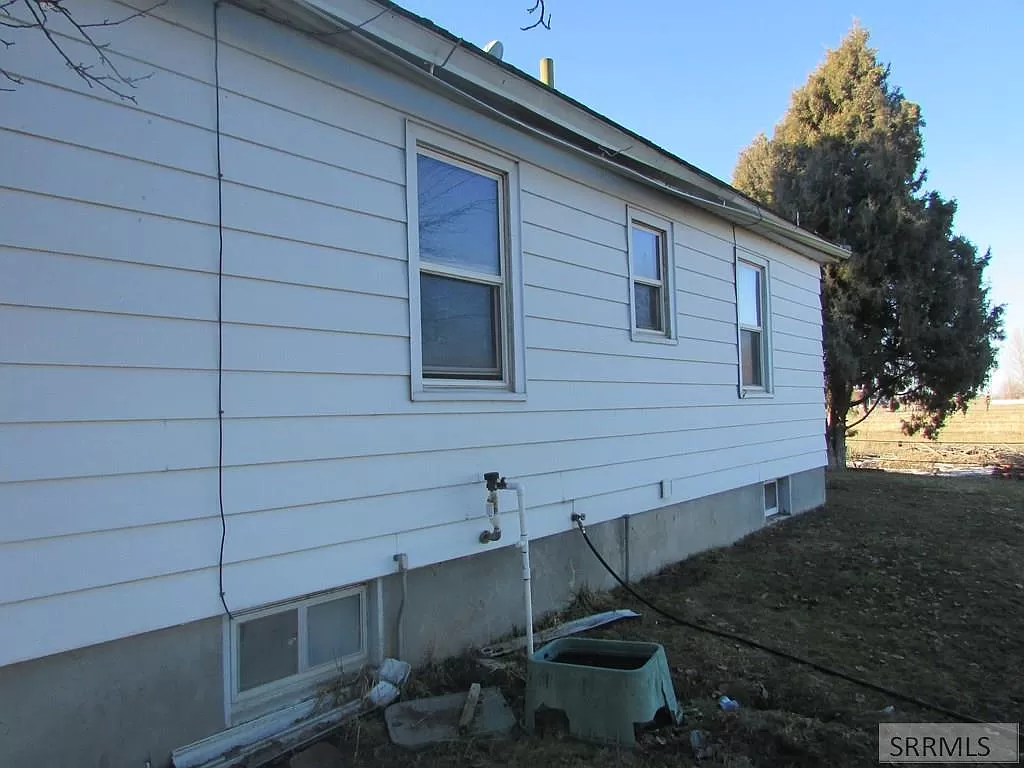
(547, 72)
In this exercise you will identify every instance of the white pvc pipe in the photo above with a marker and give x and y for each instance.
(524, 547)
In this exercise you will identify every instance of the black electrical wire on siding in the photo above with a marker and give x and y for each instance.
(956, 716)
(220, 313)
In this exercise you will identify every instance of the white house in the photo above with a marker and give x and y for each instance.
(264, 331)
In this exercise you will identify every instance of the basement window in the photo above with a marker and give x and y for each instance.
(465, 308)
(771, 498)
(288, 648)
(777, 500)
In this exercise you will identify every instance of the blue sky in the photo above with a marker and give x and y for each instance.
(702, 79)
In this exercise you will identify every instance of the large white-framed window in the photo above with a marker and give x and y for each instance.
(753, 315)
(465, 281)
(651, 277)
(282, 651)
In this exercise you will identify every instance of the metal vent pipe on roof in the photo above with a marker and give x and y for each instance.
(547, 72)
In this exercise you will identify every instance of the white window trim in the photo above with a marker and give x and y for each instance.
(240, 705)
(653, 221)
(767, 388)
(783, 498)
(462, 152)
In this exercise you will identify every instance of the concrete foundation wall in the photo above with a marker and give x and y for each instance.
(118, 704)
(114, 705)
(807, 490)
(470, 601)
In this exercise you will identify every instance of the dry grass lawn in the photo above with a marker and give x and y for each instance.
(914, 582)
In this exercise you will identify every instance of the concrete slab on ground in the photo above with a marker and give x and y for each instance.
(427, 721)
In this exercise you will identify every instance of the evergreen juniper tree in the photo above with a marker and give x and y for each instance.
(907, 319)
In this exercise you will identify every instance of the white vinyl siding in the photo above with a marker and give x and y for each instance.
(109, 521)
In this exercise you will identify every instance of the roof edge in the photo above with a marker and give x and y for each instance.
(435, 49)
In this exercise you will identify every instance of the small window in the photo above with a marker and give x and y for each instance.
(464, 265)
(771, 498)
(297, 643)
(751, 300)
(268, 649)
(650, 275)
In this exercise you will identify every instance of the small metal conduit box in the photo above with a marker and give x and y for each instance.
(604, 688)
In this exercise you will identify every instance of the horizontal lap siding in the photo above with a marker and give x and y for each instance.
(94, 449)
(105, 502)
(109, 254)
(108, 356)
(317, 523)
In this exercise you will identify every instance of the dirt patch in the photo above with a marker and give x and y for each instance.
(914, 582)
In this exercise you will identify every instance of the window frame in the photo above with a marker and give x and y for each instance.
(637, 217)
(766, 388)
(249, 701)
(772, 511)
(459, 152)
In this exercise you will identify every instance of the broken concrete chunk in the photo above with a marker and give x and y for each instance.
(421, 722)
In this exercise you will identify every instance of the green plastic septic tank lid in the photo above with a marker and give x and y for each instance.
(604, 687)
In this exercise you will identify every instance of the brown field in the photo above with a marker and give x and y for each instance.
(985, 437)
(914, 582)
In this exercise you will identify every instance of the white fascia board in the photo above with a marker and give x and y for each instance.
(483, 71)
(436, 49)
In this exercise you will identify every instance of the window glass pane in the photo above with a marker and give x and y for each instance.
(646, 253)
(750, 358)
(771, 496)
(647, 302)
(459, 321)
(458, 216)
(334, 630)
(748, 284)
(268, 649)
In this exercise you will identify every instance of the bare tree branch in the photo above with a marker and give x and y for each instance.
(1012, 365)
(137, 14)
(3, 72)
(542, 21)
(14, 23)
(866, 414)
(103, 73)
(101, 51)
